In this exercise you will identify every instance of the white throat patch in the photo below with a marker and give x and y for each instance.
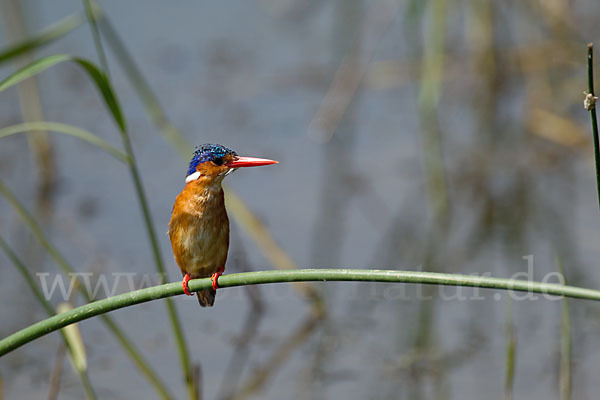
(192, 177)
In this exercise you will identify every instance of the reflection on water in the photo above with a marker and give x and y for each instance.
(416, 135)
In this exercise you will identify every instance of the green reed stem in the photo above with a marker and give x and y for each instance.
(125, 342)
(173, 316)
(171, 310)
(103, 306)
(143, 202)
(592, 110)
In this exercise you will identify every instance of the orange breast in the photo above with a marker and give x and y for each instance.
(199, 230)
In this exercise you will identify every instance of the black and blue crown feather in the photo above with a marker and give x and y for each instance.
(208, 152)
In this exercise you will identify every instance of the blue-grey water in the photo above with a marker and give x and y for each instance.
(253, 76)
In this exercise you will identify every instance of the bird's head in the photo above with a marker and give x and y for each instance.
(214, 161)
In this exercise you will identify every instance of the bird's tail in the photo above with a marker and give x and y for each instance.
(206, 298)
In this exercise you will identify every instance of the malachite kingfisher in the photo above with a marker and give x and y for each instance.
(199, 226)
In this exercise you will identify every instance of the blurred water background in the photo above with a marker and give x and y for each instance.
(427, 135)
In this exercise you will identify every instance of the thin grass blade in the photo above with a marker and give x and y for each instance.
(73, 336)
(24, 271)
(94, 72)
(66, 129)
(61, 261)
(47, 36)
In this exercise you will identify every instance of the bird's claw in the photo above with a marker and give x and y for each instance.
(184, 283)
(215, 277)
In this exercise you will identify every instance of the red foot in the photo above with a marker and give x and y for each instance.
(216, 276)
(184, 283)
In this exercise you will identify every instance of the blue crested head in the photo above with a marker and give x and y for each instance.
(208, 152)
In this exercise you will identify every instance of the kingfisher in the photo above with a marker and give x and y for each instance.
(199, 226)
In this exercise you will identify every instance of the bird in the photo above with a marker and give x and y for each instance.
(199, 226)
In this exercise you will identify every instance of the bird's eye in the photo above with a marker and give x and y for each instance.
(218, 161)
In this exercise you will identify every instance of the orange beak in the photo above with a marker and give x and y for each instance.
(250, 162)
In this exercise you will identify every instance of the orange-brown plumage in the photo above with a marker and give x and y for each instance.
(199, 232)
(199, 226)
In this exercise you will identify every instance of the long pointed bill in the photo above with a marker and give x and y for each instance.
(250, 162)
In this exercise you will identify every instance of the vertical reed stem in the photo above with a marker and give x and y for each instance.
(592, 110)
